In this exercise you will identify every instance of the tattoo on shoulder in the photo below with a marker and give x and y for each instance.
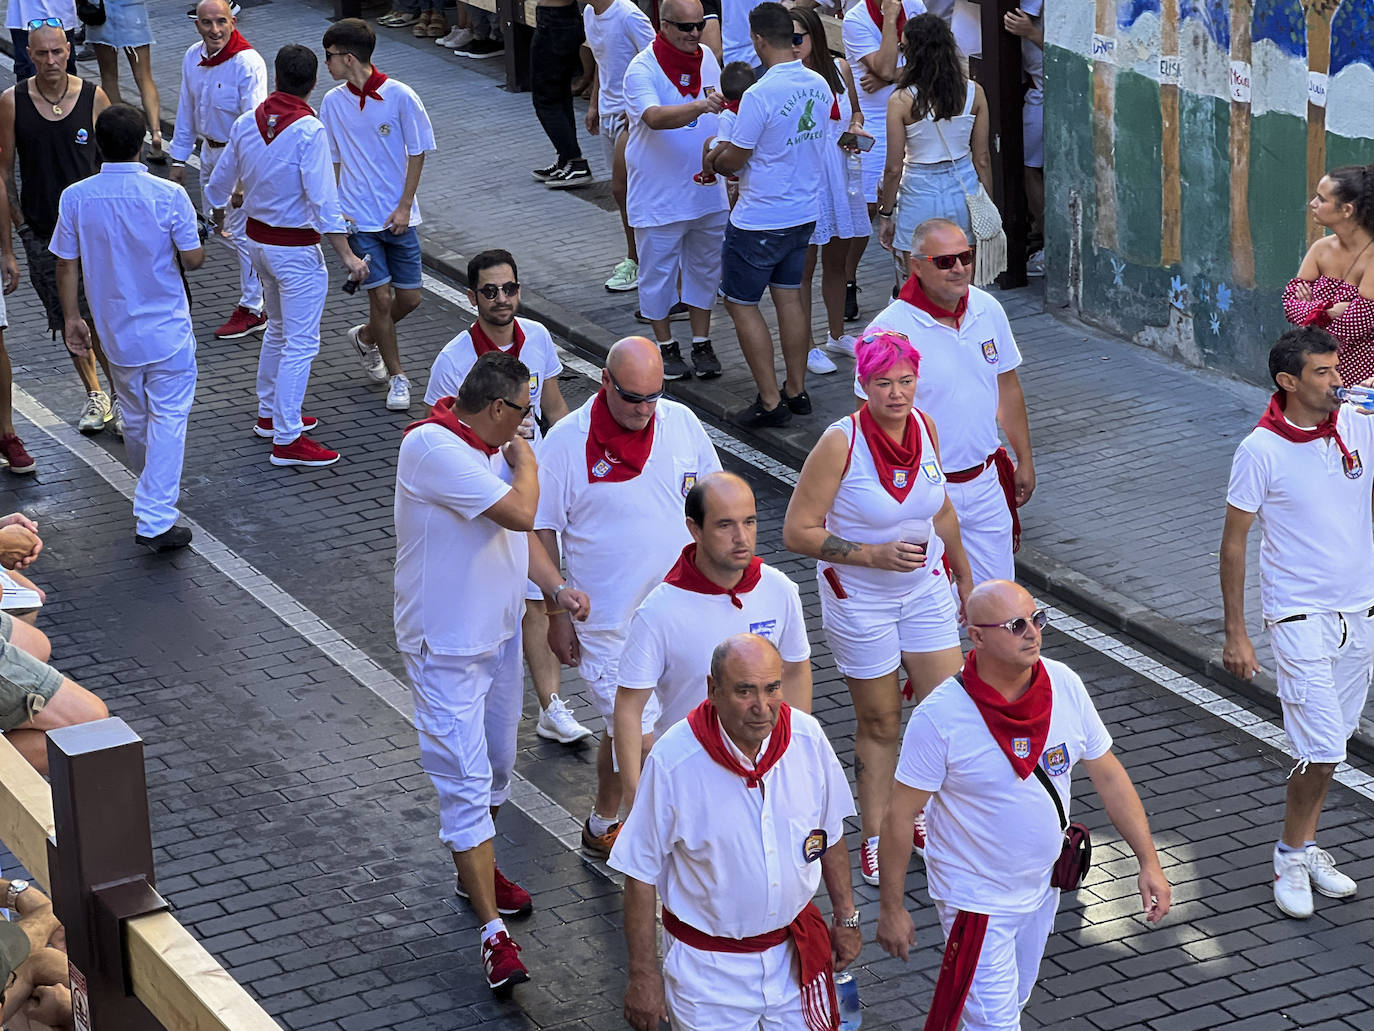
(838, 547)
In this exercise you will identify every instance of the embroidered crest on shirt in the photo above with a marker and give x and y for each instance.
(601, 468)
(689, 480)
(1354, 467)
(684, 80)
(932, 471)
(1056, 760)
(764, 628)
(271, 127)
(990, 351)
(384, 129)
(814, 845)
(1020, 746)
(534, 383)
(899, 478)
(82, 136)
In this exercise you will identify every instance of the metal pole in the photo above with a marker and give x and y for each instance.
(1001, 77)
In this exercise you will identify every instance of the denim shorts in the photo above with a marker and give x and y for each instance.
(395, 259)
(754, 259)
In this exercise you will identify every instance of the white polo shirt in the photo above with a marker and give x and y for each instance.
(980, 807)
(673, 632)
(614, 37)
(455, 361)
(957, 385)
(212, 98)
(460, 578)
(861, 38)
(620, 539)
(661, 162)
(371, 146)
(1316, 539)
(727, 859)
(125, 224)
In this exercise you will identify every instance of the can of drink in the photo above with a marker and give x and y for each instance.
(847, 990)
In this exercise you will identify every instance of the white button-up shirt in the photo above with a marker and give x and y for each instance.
(213, 98)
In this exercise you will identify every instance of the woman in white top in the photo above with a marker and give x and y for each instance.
(937, 137)
(869, 496)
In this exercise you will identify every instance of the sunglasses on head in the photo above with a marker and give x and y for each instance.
(1020, 625)
(490, 290)
(631, 398)
(38, 23)
(689, 26)
(945, 262)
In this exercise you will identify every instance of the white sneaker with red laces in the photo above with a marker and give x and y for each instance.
(501, 962)
(918, 834)
(868, 860)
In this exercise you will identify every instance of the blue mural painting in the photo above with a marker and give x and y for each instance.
(1281, 22)
(1127, 11)
(1352, 35)
(1215, 16)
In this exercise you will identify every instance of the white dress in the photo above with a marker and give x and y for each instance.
(838, 214)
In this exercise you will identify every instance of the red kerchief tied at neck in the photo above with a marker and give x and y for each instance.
(683, 70)
(615, 454)
(875, 11)
(730, 105)
(370, 87)
(442, 414)
(277, 112)
(481, 343)
(1274, 420)
(912, 293)
(896, 463)
(1020, 727)
(706, 726)
(236, 45)
(686, 576)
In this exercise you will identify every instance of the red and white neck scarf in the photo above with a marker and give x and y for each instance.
(687, 577)
(615, 454)
(481, 343)
(1274, 421)
(683, 70)
(236, 44)
(370, 87)
(442, 414)
(835, 108)
(875, 11)
(1020, 728)
(915, 296)
(277, 112)
(896, 463)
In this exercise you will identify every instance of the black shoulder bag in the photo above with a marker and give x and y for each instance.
(91, 12)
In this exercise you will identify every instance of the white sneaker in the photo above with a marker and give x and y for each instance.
(818, 362)
(844, 345)
(1292, 884)
(1035, 264)
(117, 416)
(95, 413)
(1324, 875)
(398, 395)
(556, 723)
(368, 355)
(456, 38)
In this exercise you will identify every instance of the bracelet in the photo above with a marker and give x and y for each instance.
(851, 921)
(884, 214)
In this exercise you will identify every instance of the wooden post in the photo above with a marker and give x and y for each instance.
(1000, 75)
(517, 35)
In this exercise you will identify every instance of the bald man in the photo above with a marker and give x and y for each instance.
(717, 587)
(612, 480)
(989, 755)
(740, 815)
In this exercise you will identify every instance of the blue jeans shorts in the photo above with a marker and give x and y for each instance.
(754, 259)
(395, 259)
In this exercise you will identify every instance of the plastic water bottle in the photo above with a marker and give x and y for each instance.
(851, 1017)
(1361, 397)
(854, 177)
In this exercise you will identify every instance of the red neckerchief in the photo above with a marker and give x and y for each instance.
(912, 293)
(1020, 728)
(875, 11)
(277, 112)
(731, 105)
(896, 463)
(615, 454)
(1273, 420)
(236, 44)
(835, 109)
(706, 726)
(481, 343)
(683, 70)
(686, 576)
(442, 414)
(370, 87)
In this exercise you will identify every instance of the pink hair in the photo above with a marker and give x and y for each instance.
(877, 352)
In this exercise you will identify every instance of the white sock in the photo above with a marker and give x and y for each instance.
(491, 927)
(599, 824)
(701, 340)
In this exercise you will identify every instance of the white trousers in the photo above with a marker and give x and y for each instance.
(156, 400)
(720, 991)
(467, 711)
(690, 249)
(235, 222)
(1323, 669)
(294, 283)
(984, 525)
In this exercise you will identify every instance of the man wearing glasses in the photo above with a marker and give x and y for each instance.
(989, 755)
(613, 477)
(969, 386)
(23, 15)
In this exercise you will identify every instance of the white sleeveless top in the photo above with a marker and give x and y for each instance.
(923, 143)
(865, 513)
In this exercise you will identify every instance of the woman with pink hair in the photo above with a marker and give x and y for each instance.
(870, 505)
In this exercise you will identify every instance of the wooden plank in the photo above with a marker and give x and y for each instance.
(26, 821)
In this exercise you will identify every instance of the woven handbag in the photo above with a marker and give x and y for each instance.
(989, 240)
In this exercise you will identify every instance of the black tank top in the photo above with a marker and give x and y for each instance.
(52, 155)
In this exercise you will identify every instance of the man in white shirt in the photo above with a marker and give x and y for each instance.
(466, 494)
(221, 77)
(672, 98)
(279, 153)
(135, 234)
(717, 588)
(1301, 471)
(378, 134)
(744, 945)
(989, 755)
(612, 477)
(775, 146)
(969, 386)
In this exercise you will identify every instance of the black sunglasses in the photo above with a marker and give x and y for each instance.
(490, 290)
(1017, 627)
(524, 410)
(798, 38)
(945, 262)
(689, 26)
(634, 399)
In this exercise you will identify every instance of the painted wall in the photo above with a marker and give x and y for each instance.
(1183, 139)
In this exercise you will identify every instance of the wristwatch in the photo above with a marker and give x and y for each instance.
(851, 921)
(17, 888)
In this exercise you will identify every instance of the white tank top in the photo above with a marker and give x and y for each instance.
(923, 143)
(864, 512)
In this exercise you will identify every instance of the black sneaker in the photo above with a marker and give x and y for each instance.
(480, 49)
(851, 302)
(575, 173)
(799, 403)
(704, 360)
(677, 313)
(673, 365)
(167, 540)
(758, 416)
(545, 174)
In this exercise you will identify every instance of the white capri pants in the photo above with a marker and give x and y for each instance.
(467, 712)
(720, 991)
(294, 284)
(1324, 663)
(233, 230)
(984, 525)
(600, 671)
(867, 636)
(156, 400)
(690, 249)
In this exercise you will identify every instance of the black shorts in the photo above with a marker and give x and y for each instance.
(43, 275)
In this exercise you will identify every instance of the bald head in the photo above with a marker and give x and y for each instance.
(996, 601)
(633, 366)
(716, 491)
(747, 656)
(631, 356)
(47, 36)
(213, 9)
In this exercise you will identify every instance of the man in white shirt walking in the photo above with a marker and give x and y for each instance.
(221, 77)
(379, 134)
(1301, 471)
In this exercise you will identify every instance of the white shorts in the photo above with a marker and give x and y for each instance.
(600, 671)
(4, 314)
(984, 525)
(680, 261)
(1324, 662)
(611, 128)
(867, 637)
(719, 991)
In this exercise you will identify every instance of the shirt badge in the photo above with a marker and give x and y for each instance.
(990, 351)
(271, 126)
(684, 80)
(601, 468)
(764, 628)
(689, 480)
(899, 478)
(1354, 468)
(1056, 759)
(932, 470)
(534, 385)
(384, 129)
(82, 136)
(814, 845)
(1020, 747)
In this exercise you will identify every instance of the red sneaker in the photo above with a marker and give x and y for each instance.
(240, 324)
(868, 860)
(303, 451)
(501, 961)
(511, 899)
(264, 426)
(918, 834)
(14, 455)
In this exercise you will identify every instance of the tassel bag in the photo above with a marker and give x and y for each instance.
(1076, 854)
(989, 240)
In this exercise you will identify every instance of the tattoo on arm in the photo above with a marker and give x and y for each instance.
(837, 547)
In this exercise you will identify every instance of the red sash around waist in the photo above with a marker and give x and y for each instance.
(1006, 477)
(281, 236)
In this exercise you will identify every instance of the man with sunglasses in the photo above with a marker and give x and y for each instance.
(982, 754)
(612, 479)
(23, 16)
(970, 387)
